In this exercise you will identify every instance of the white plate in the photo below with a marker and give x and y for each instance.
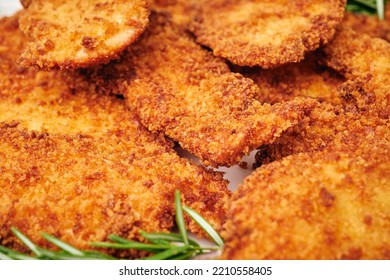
(8, 7)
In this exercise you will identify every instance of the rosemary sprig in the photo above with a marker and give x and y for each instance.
(204, 225)
(367, 7)
(67, 253)
(164, 246)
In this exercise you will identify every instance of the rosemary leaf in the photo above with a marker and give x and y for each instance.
(132, 245)
(368, 3)
(66, 256)
(121, 240)
(19, 256)
(35, 249)
(167, 237)
(164, 255)
(380, 7)
(211, 232)
(370, 7)
(97, 255)
(4, 257)
(180, 218)
(61, 244)
(14, 254)
(184, 256)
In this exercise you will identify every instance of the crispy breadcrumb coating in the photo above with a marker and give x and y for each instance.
(365, 61)
(73, 34)
(47, 101)
(333, 204)
(266, 33)
(79, 165)
(179, 88)
(324, 125)
(181, 11)
(82, 188)
(306, 78)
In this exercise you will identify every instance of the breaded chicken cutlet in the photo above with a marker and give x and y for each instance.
(179, 88)
(365, 61)
(333, 204)
(306, 78)
(265, 33)
(74, 34)
(80, 166)
(82, 188)
(47, 101)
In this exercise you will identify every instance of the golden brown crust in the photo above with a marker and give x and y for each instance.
(332, 204)
(324, 126)
(47, 101)
(74, 34)
(180, 11)
(82, 188)
(306, 78)
(25, 3)
(179, 88)
(266, 33)
(79, 165)
(365, 61)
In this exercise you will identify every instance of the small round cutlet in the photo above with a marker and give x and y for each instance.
(332, 204)
(76, 34)
(263, 32)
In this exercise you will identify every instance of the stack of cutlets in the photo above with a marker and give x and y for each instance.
(93, 102)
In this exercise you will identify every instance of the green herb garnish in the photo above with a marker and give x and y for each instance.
(367, 7)
(164, 246)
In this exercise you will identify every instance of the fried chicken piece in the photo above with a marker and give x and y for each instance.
(74, 34)
(266, 33)
(324, 126)
(179, 88)
(180, 11)
(82, 188)
(369, 25)
(365, 61)
(79, 165)
(332, 204)
(46, 101)
(306, 78)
